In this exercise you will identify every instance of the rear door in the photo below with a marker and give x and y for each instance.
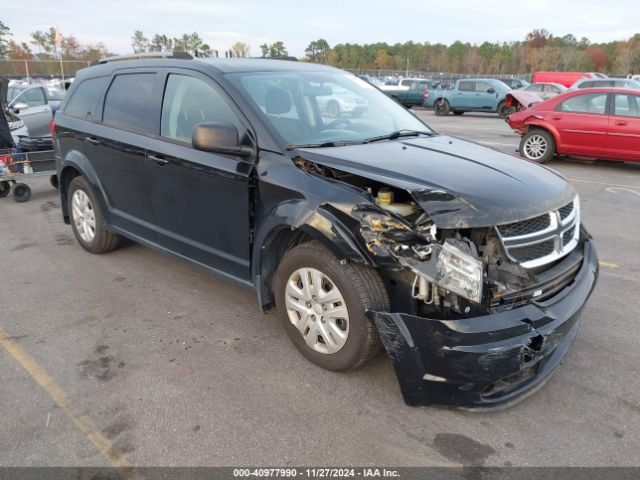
(583, 122)
(464, 97)
(623, 140)
(200, 199)
(117, 149)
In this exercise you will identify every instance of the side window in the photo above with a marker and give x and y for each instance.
(586, 85)
(32, 97)
(405, 83)
(85, 98)
(536, 87)
(189, 101)
(128, 100)
(587, 103)
(482, 87)
(467, 86)
(627, 105)
(551, 88)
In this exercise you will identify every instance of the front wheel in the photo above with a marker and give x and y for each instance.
(441, 108)
(87, 220)
(322, 303)
(538, 146)
(20, 192)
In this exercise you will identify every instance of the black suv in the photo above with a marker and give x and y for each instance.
(469, 265)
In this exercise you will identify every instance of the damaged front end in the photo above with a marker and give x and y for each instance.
(479, 315)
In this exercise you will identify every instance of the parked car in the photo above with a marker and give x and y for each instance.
(340, 101)
(412, 96)
(605, 83)
(360, 232)
(546, 90)
(563, 78)
(469, 95)
(32, 107)
(515, 83)
(592, 123)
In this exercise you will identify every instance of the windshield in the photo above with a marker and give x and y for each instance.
(320, 108)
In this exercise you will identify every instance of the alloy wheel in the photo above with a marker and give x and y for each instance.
(535, 147)
(83, 216)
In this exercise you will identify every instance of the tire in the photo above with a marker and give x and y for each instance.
(458, 113)
(20, 192)
(53, 180)
(358, 288)
(5, 187)
(441, 108)
(333, 110)
(502, 109)
(93, 236)
(537, 145)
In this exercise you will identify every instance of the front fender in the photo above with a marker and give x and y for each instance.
(296, 218)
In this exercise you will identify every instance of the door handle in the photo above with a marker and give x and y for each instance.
(620, 123)
(158, 160)
(93, 140)
(556, 118)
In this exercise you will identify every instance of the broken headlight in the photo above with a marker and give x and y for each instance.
(459, 272)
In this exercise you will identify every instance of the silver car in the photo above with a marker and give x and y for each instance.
(32, 107)
(546, 90)
(605, 83)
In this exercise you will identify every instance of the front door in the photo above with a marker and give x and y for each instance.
(200, 199)
(485, 98)
(582, 122)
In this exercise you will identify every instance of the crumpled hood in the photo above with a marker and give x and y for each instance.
(460, 184)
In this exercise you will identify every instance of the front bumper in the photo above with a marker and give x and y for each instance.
(487, 362)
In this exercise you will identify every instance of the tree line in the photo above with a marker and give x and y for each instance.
(539, 50)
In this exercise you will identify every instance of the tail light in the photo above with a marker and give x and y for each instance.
(425, 95)
(52, 127)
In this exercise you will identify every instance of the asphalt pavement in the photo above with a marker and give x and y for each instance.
(139, 358)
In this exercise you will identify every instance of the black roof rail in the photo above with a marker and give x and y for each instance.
(147, 55)
(284, 57)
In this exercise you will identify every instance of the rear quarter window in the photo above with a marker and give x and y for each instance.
(127, 105)
(85, 97)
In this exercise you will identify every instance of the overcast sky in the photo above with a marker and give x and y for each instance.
(222, 23)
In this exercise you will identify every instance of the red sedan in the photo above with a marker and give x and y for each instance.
(593, 123)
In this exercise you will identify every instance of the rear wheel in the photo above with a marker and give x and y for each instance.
(503, 111)
(441, 108)
(322, 306)
(537, 145)
(87, 220)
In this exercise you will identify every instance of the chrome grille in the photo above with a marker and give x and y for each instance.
(543, 239)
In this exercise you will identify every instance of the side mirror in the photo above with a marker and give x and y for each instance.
(219, 137)
(16, 107)
(491, 90)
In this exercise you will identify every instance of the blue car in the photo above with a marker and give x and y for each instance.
(469, 95)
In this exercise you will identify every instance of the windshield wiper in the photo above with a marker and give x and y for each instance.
(320, 145)
(397, 134)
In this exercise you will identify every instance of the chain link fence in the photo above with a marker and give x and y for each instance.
(442, 77)
(41, 68)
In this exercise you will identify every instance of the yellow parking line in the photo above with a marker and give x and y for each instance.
(604, 183)
(82, 422)
(608, 264)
